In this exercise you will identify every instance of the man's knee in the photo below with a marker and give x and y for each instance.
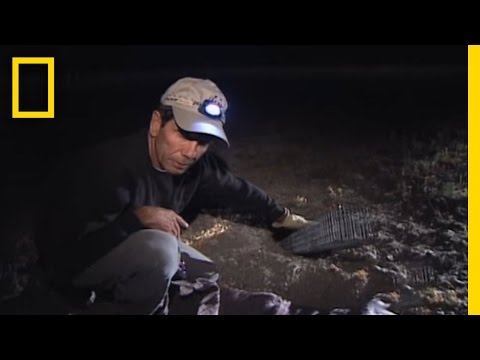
(155, 249)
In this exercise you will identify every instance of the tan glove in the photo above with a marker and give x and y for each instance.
(291, 221)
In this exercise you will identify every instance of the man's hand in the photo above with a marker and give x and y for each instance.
(291, 221)
(161, 219)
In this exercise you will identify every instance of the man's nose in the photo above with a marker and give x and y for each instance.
(192, 150)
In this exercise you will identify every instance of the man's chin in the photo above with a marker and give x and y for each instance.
(177, 169)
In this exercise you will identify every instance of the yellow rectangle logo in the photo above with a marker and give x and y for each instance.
(16, 113)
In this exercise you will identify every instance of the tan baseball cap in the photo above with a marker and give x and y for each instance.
(198, 106)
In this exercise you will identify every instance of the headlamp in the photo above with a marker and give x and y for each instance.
(211, 109)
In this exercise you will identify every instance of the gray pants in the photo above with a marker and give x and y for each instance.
(139, 271)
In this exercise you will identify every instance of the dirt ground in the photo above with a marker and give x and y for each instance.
(418, 261)
(412, 178)
(395, 145)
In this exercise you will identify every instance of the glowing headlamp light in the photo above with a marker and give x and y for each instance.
(211, 109)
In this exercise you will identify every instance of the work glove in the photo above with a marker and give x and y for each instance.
(291, 221)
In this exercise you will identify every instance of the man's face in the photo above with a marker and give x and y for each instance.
(172, 151)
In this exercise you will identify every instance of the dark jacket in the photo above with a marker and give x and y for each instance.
(89, 201)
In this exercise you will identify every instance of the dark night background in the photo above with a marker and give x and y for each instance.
(321, 110)
(109, 90)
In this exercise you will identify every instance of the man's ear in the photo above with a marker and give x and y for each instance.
(155, 124)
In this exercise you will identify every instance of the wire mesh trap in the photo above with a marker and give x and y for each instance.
(344, 227)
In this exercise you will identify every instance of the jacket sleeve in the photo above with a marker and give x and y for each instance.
(219, 188)
(89, 214)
